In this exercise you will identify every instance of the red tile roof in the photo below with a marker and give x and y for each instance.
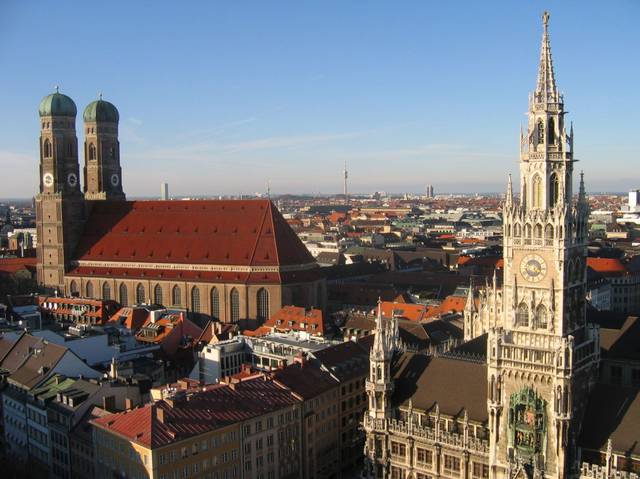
(412, 312)
(210, 408)
(13, 265)
(606, 266)
(132, 318)
(216, 232)
(170, 332)
(294, 318)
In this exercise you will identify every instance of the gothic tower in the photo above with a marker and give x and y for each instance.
(102, 172)
(542, 356)
(379, 387)
(60, 203)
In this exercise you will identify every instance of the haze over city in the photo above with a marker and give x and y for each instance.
(244, 93)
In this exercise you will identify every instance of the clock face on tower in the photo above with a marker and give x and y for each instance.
(72, 179)
(533, 268)
(47, 179)
(115, 180)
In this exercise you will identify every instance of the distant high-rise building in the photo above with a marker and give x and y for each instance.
(164, 191)
(429, 191)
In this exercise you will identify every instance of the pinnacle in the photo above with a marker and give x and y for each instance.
(546, 89)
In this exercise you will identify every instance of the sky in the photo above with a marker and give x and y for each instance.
(220, 97)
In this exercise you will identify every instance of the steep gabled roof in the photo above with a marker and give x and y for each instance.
(219, 232)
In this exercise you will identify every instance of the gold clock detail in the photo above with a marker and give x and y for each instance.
(533, 268)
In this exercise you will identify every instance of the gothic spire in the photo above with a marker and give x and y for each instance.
(471, 303)
(509, 197)
(582, 196)
(546, 89)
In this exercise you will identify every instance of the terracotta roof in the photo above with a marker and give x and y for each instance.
(13, 265)
(171, 331)
(212, 407)
(454, 384)
(132, 318)
(223, 232)
(613, 412)
(294, 318)
(451, 304)
(412, 312)
(606, 266)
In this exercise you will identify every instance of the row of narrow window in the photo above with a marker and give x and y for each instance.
(262, 297)
(537, 190)
(47, 150)
(537, 319)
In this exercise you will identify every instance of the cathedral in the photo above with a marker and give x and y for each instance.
(232, 260)
(522, 397)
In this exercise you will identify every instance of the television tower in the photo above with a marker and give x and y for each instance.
(346, 196)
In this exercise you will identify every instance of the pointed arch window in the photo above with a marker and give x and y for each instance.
(89, 290)
(106, 292)
(73, 287)
(140, 296)
(548, 232)
(263, 304)
(69, 149)
(195, 299)
(157, 294)
(235, 305)
(540, 132)
(517, 230)
(176, 296)
(522, 315)
(554, 189)
(541, 316)
(46, 147)
(215, 303)
(92, 151)
(537, 231)
(537, 192)
(124, 300)
(551, 136)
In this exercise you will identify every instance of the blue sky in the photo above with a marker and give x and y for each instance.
(219, 97)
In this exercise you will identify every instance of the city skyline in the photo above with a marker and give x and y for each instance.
(402, 97)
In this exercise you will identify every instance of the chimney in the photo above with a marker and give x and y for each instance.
(301, 359)
(159, 414)
(128, 403)
(113, 368)
(109, 403)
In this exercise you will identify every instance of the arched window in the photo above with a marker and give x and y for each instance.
(552, 133)
(106, 292)
(73, 287)
(527, 230)
(263, 304)
(537, 192)
(554, 189)
(89, 289)
(176, 296)
(540, 132)
(157, 294)
(140, 296)
(538, 231)
(47, 148)
(548, 232)
(517, 230)
(92, 151)
(522, 315)
(541, 316)
(124, 300)
(215, 303)
(235, 305)
(195, 299)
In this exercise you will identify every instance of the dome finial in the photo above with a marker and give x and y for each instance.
(57, 87)
(545, 19)
(100, 95)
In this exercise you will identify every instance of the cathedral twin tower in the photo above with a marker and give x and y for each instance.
(61, 204)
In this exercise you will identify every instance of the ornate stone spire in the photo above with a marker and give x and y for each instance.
(508, 200)
(546, 89)
(471, 304)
